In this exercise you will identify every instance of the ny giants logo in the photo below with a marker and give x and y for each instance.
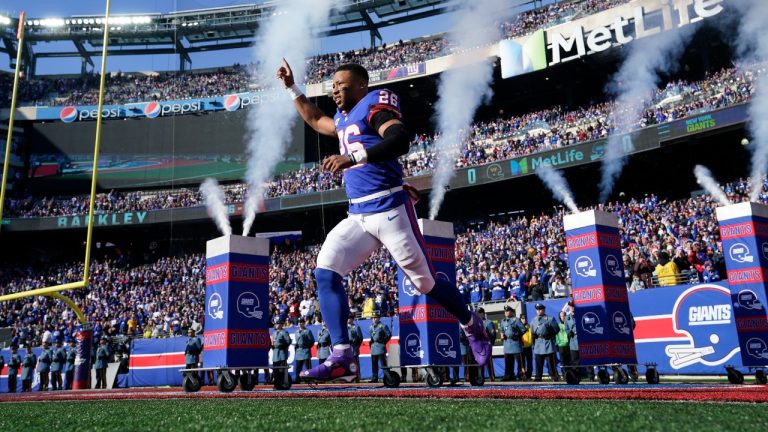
(236, 272)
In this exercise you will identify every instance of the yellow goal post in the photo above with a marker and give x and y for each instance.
(55, 291)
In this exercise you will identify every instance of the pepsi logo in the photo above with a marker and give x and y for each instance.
(232, 102)
(68, 114)
(152, 109)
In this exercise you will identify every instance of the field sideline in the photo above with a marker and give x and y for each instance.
(528, 407)
(383, 415)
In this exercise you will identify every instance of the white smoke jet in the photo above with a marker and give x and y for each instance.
(462, 88)
(214, 200)
(707, 181)
(753, 41)
(290, 33)
(632, 86)
(556, 182)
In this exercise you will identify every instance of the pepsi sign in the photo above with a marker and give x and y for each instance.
(152, 109)
(157, 109)
(68, 114)
(232, 102)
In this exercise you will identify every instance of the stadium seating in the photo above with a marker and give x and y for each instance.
(165, 297)
(489, 141)
(127, 88)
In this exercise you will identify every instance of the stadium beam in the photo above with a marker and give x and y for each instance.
(205, 28)
(167, 50)
(184, 57)
(372, 29)
(84, 54)
(10, 49)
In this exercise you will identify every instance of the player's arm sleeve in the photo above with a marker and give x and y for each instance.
(395, 142)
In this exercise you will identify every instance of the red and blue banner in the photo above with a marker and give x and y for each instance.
(430, 334)
(604, 323)
(744, 233)
(237, 302)
(156, 362)
(688, 329)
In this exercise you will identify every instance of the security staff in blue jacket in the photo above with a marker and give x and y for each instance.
(69, 374)
(355, 334)
(323, 343)
(102, 361)
(28, 369)
(281, 341)
(58, 365)
(544, 328)
(44, 366)
(14, 363)
(304, 341)
(380, 335)
(192, 350)
(512, 331)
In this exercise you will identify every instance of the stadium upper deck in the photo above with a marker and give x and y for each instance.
(489, 141)
(137, 87)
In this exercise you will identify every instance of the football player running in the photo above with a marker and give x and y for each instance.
(371, 137)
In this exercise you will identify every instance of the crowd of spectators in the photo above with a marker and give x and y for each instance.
(132, 87)
(498, 139)
(520, 258)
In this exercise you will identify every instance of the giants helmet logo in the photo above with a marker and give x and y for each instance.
(413, 346)
(703, 321)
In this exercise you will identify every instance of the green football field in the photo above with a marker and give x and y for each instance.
(422, 415)
(164, 176)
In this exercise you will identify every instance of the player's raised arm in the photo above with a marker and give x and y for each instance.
(308, 111)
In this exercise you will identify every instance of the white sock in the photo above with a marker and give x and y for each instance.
(341, 346)
(469, 323)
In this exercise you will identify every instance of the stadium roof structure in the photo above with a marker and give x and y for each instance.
(185, 32)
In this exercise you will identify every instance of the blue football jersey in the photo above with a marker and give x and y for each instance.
(355, 132)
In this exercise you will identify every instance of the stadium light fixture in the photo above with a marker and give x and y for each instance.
(5, 20)
(51, 22)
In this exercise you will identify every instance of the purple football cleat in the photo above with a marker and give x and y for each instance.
(340, 366)
(478, 339)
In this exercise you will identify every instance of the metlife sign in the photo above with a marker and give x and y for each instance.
(622, 25)
(601, 31)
